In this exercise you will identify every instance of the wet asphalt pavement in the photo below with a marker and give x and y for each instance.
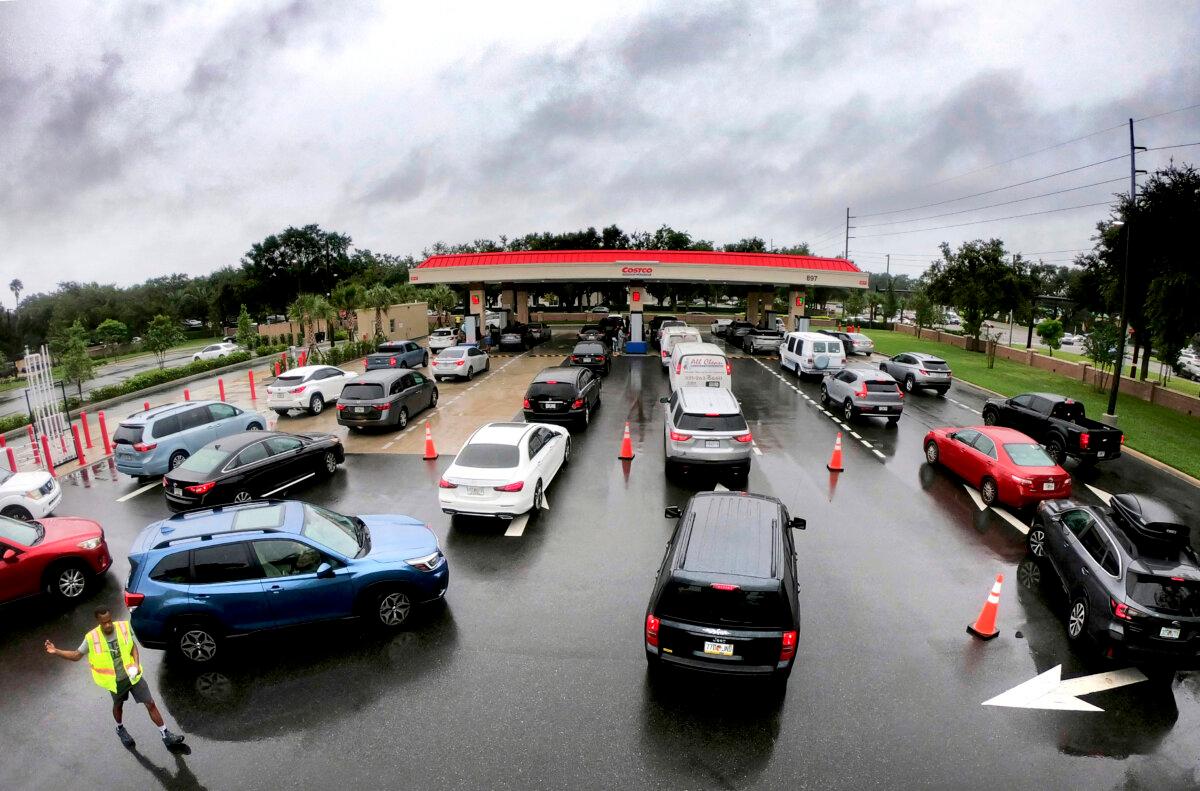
(532, 675)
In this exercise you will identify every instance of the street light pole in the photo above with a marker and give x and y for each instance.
(1119, 364)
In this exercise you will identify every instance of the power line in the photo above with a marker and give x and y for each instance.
(1180, 145)
(997, 189)
(1168, 112)
(991, 219)
(992, 205)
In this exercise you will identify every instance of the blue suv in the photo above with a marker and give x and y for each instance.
(203, 576)
(154, 442)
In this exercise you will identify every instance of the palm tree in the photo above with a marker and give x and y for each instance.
(379, 298)
(16, 287)
(440, 298)
(348, 297)
(306, 310)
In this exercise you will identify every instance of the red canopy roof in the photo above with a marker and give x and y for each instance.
(698, 257)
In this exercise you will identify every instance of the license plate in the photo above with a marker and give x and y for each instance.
(1170, 634)
(884, 408)
(360, 409)
(712, 443)
(1048, 486)
(712, 384)
(476, 491)
(1101, 454)
(588, 359)
(177, 490)
(723, 649)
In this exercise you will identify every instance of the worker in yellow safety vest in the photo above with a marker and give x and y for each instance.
(117, 667)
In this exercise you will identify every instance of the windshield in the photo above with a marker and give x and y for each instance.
(340, 533)
(1165, 594)
(362, 391)
(488, 455)
(205, 460)
(705, 604)
(1028, 455)
(24, 533)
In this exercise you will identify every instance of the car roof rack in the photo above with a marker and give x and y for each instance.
(214, 534)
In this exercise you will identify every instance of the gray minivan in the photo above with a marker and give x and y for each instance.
(158, 440)
(705, 428)
(385, 397)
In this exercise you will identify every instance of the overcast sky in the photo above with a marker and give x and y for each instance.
(142, 139)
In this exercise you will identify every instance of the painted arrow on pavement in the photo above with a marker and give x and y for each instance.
(1049, 691)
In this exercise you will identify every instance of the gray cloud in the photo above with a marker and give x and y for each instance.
(404, 183)
(663, 42)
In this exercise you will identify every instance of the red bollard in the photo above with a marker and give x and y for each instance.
(12, 460)
(3, 444)
(253, 397)
(62, 440)
(87, 431)
(33, 443)
(78, 446)
(186, 395)
(277, 369)
(46, 454)
(221, 388)
(303, 359)
(104, 436)
(146, 406)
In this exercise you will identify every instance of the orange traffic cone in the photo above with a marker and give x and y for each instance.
(430, 451)
(985, 626)
(626, 445)
(835, 460)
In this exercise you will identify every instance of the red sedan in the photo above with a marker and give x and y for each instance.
(61, 555)
(1004, 464)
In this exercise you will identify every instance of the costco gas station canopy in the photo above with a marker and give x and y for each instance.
(761, 272)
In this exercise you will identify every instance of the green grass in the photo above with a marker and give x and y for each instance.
(1177, 384)
(1171, 437)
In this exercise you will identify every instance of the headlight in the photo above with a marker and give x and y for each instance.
(429, 562)
(34, 494)
(91, 543)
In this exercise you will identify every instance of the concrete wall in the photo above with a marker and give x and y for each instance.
(401, 322)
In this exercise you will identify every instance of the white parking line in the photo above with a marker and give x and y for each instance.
(389, 444)
(867, 444)
(756, 450)
(979, 503)
(1023, 529)
(136, 492)
(517, 526)
(856, 435)
(843, 425)
(1103, 495)
(877, 453)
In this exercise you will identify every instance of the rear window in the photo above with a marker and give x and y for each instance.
(172, 568)
(702, 362)
(704, 604)
(224, 563)
(820, 346)
(589, 348)
(284, 381)
(711, 422)
(488, 455)
(881, 387)
(204, 460)
(127, 435)
(453, 353)
(1165, 594)
(556, 390)
(1024, 454)
(591, 328)
(362, 391)
(166, 426)
(1071, 411)
(934, 365)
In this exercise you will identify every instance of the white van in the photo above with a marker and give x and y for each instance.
(811, 353)
(671, 336)
(696, 364)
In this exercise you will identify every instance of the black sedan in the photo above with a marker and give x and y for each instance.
(386, 397)
(593, 355)
(561, 395)
(250, 466)
(591, 332)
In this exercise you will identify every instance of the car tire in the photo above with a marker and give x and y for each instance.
(281, 412)
(68, 581)
(177, 458)
(567, 453)
(425, 360)
(537, 499)
(392, 608)
(990, 417)
(437, 378)
(196, 642)
(932, 453)
(941, 391)
(587, 416)
(1077, 619)
(1035, 541)
(487, 364)
(824, 396)
(402, 418)
(433, 398)
(909, 383)
(848, 410)
(241, 496)
(316, 404)
(989, 491)
(1056, 451)
(329, 463)
(256, 426)
(893, 420)
(470, 372)
(17, 512)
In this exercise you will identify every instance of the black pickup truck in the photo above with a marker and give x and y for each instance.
(1058, 423)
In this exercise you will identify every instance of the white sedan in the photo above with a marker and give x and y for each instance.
(215, 351)
(442, 338)
(504, 469)
(459, 362)
(28, 495)
(309, 387)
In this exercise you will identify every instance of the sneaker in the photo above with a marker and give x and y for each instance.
(172, 739)
(125, 738)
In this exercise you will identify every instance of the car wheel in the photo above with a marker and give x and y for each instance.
(824, 396)
(254, 427)
(932, 454)
(281, 412)
(587, 415)
(1036, 541)
(197, 643)
(243, 496)
(487, 364)
(177, 458)
(893, 420)
(402, 418)
(1077, 620)
(1029, 574)
(567, 453)
(941, 391)
(909, 383)
(990, 417)
(537, 499)
(17, 512)
(425, 360)
(988, 491)
(433, 397)
(437, 378)
(848, 410)
(69, 581)
(470, 372)
(330, 462)
(1055, 448)
(392, 609)
(316, 404)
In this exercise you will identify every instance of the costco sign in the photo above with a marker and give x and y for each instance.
(637, 271)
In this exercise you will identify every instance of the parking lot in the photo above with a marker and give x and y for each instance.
(532, 674)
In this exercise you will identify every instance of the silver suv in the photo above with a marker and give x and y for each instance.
(918, 370)
(862, 391)
(705, 428)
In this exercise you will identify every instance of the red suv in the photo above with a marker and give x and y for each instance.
(60, 555)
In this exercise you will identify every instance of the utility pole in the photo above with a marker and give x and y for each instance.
(1119, 365)
(846, 249)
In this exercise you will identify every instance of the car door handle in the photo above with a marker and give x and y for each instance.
(1084, 571)
(276, 588)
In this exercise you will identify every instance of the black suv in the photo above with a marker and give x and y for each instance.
(562, 394)
(727, 598)
(1131, 579)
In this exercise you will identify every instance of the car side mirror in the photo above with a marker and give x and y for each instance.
(664, 400)
(798, 523)
(324, 571)
(952, 435)
(673, 512)
(10, 555)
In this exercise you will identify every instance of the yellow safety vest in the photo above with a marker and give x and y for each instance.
(103, 671)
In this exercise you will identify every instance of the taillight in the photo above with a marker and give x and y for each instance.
(392, 361)
(861, 393)
(1123, 610)
(652, 625)
(1122, 439)
(299, 389)
(922, 372)
(600, 357)
(899, 392)
(461, 362)
(445, 484)
(366, 362)
(142, 447)
(678, 368)
(574, 358)
(164, 481)
(677, 437)
(384, 407)
(525, 404)
(787, 649)
(1083, 440)
(729, 369)
(577, 403)
(511, 487)
(341, 407)
(134, 599)
(665, 354)
(1022, 481)
(747, 437)
(200, 488)
(724, 586)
